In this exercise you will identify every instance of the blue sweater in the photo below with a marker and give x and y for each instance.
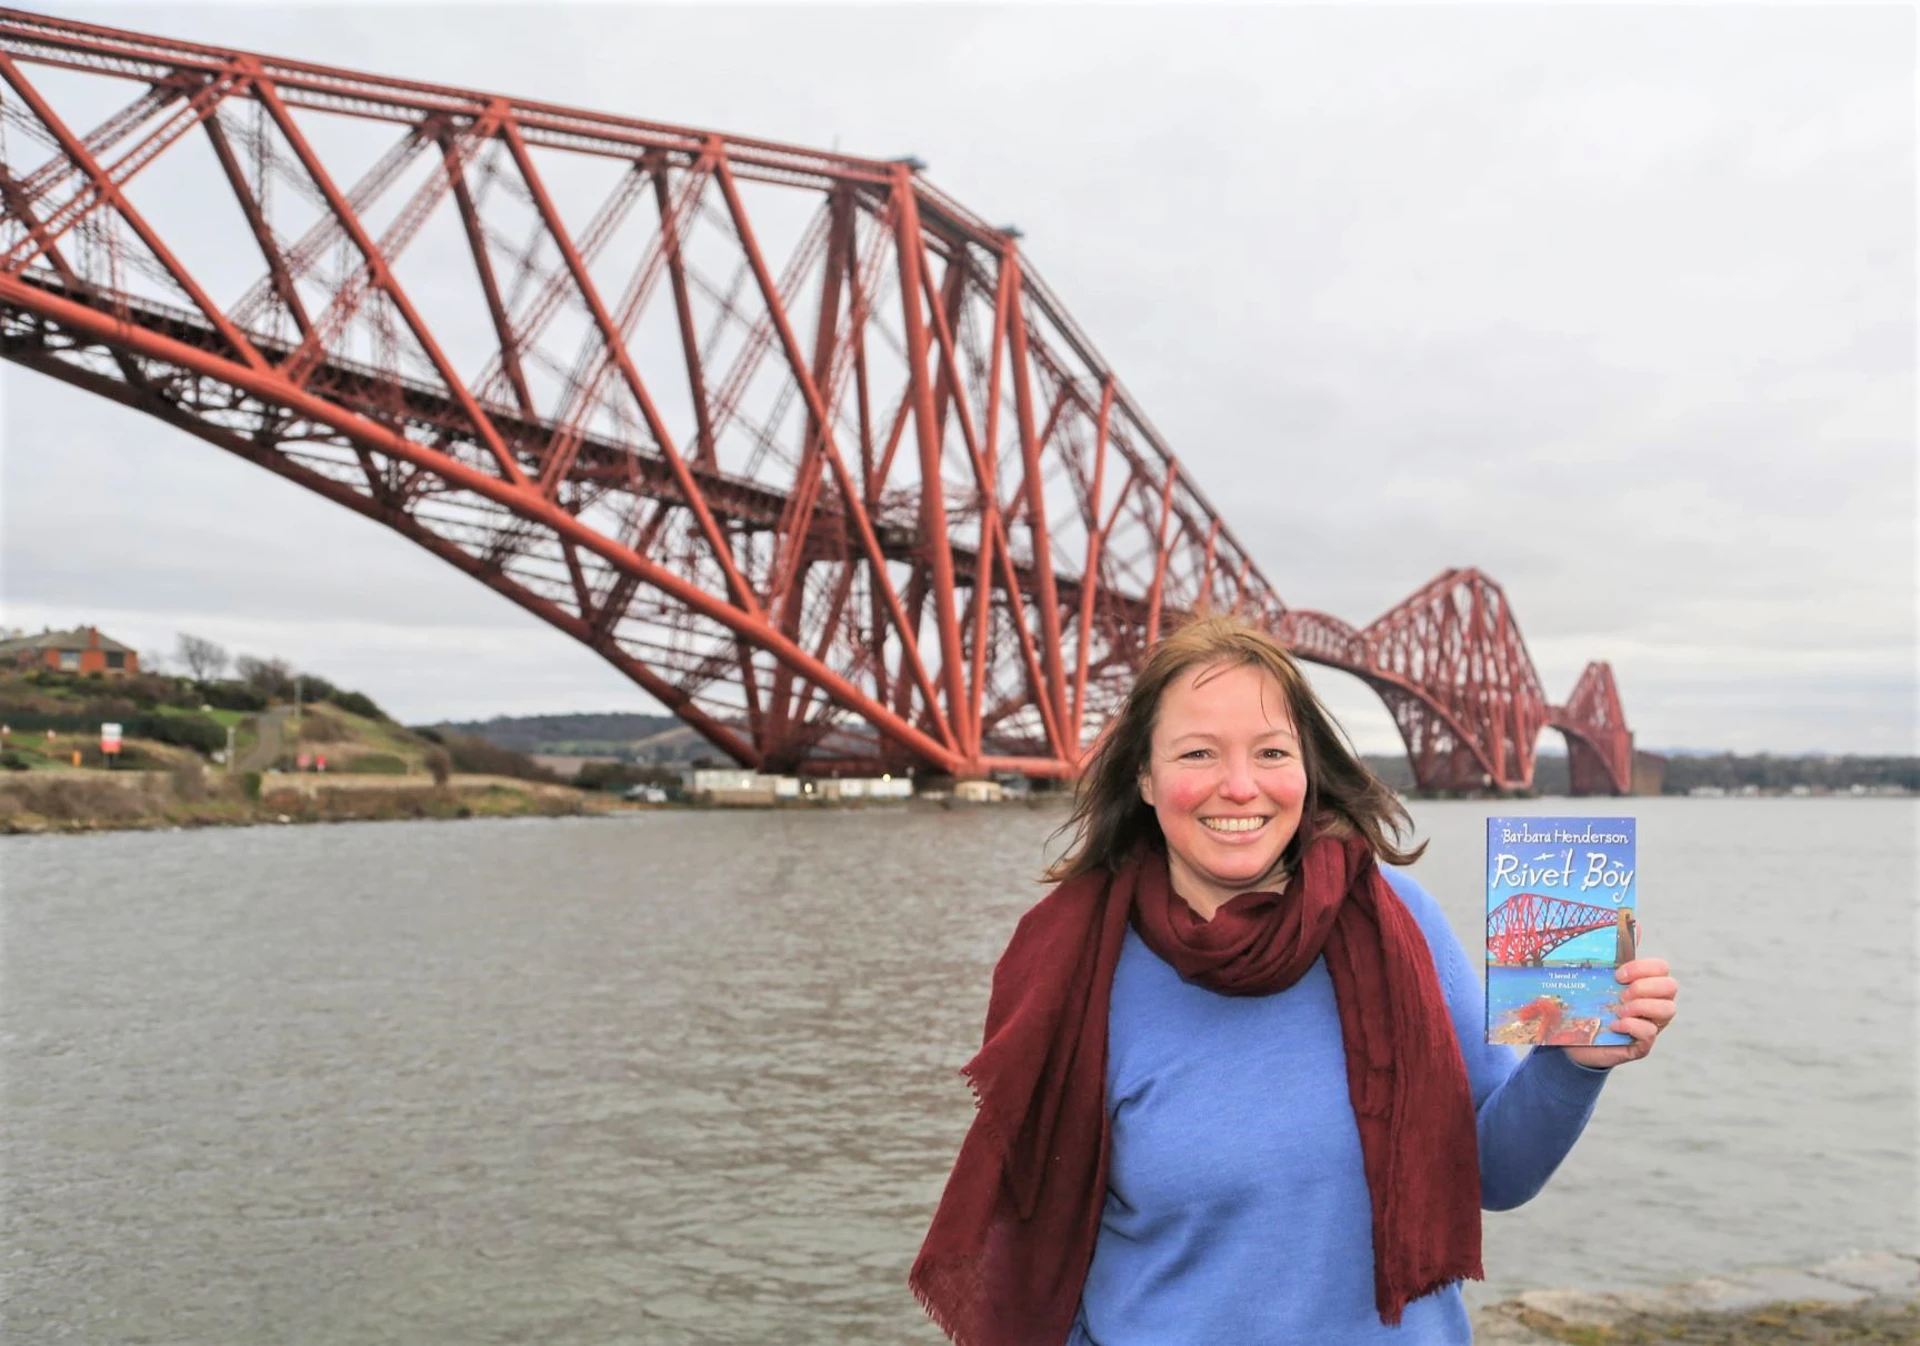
(1237, 1209)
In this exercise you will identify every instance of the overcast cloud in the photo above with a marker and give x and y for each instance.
(1616, 304)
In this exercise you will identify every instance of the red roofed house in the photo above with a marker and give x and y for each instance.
(83, 650)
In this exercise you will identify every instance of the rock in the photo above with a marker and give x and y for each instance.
(1765, 1285)
(1854, 1297)
(1878, 1273)
(1500, 1325)
(1585, 1308)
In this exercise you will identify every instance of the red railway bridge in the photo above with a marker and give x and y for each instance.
(796, 442)
(1525, 928)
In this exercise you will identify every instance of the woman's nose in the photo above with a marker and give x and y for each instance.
(1238, 784)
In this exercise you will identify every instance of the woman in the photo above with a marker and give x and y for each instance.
(1234, 1086)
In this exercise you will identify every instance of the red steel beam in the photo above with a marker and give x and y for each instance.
(933, 506)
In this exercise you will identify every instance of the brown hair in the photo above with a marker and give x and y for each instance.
(1343, 797)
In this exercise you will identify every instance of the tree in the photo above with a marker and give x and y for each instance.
(440, 762)
(270, 677)
(618, 775)
(359, 703)
(316, 688)
(204, 659)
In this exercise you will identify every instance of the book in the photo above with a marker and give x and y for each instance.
(1562, 898)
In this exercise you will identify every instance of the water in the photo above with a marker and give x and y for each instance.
(1588, 995)
(690, 1078)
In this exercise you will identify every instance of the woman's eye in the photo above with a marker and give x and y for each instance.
(1193, 753)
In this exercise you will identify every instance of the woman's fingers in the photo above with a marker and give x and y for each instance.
(1647, 996)
(1642, 1031)
(1636, 968)
(1652, 988)
(1660, 1013)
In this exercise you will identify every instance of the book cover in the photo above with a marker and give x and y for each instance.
(1561, 900)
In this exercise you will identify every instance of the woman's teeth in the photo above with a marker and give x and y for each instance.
(1233, 824)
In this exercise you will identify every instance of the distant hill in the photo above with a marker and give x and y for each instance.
(620, 734)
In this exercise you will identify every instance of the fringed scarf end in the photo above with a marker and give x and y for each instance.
(1392, 1308)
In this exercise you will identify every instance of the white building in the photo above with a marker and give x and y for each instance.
(864, 787)
(979, 791)
(705, 780)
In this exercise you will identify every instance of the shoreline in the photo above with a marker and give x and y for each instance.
(79, 802)
(74, 803)
(1853, 1299)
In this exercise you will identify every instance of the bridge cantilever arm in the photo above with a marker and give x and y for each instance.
(523, 500)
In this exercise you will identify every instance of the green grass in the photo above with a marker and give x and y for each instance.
(225, 717)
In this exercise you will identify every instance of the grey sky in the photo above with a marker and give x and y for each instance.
(1616, 304)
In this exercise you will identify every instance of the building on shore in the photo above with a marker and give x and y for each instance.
(742, 785)
(81, 650)
(710, 780)
(864, 787)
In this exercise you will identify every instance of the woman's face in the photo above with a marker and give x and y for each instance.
(1225, 779)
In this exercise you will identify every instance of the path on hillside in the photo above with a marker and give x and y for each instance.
(267, 747)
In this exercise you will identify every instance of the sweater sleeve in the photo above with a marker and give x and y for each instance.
(1532, 1108)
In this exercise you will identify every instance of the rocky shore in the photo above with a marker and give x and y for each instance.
(188, 796)
(97, 801)
(1856, 1299)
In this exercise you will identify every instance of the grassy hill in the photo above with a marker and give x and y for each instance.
(169, 720)
(173, 770)
(50, 716)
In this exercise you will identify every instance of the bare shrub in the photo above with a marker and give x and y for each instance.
(316, 726)
(486, 758)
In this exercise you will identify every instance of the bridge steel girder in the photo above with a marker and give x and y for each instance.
(563, 351)
(1453, 669)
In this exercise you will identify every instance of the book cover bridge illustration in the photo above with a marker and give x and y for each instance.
(1561, 898)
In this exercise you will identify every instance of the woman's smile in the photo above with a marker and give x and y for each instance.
(1239, 829)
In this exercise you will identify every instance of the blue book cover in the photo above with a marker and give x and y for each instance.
(1561, 900)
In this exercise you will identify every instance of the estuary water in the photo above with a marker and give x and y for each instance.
(691, 1077)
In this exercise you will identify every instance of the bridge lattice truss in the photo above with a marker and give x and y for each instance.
(1527, 926)
(795, 441)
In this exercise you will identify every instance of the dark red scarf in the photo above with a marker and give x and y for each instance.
(1007, 1256)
